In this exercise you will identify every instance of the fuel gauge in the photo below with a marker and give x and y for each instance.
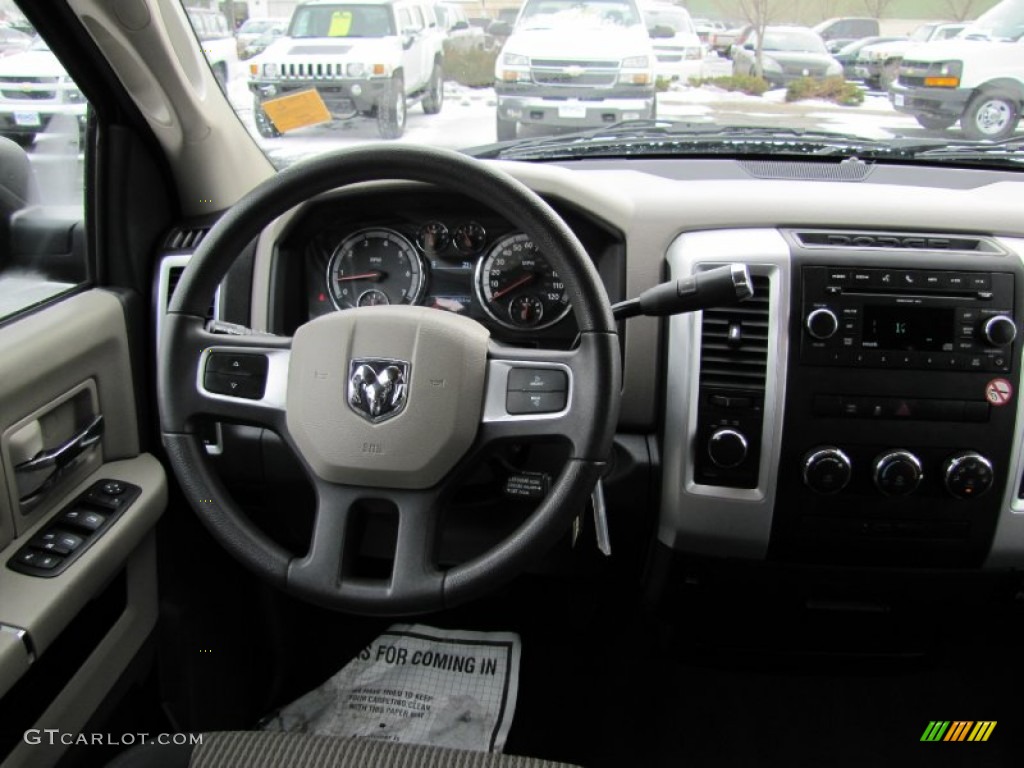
(470, 238)
(433, 237)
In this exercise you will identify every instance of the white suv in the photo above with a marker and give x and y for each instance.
(365, 58)
(35, 90)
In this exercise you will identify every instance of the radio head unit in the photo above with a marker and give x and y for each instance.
(907, 318)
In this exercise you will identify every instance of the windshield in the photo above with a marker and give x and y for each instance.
(1004, 22)
(572, 14)
(675, 20)
(793, 40)
(555, 78)
(342, 21)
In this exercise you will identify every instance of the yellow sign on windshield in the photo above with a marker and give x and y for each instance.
(341, 23)
(297, 110)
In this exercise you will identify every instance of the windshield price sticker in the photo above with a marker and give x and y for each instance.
(999, 392)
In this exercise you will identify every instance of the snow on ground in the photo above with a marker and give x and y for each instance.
(467, 118)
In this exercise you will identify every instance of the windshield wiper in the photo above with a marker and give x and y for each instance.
(1009, 151)
(666, 137)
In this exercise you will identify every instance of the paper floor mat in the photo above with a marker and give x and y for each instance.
(420, 685)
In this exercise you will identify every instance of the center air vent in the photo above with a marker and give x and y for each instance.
(734, 343)
(890, 241)
(733, 371)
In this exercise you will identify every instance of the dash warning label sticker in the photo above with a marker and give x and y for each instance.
(998, 392)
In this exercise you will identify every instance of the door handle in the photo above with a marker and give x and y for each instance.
(35, 476)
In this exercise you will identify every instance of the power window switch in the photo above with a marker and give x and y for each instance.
(83, 519)
(98, 498)
(58, 542)
(43, 560)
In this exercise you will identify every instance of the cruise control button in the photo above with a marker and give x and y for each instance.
(537, 380)
(534, 402)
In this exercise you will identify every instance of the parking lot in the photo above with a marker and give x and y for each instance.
(467, 118)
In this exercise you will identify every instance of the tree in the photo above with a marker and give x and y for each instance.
(759, 14)
(960, 10)
(876, 8)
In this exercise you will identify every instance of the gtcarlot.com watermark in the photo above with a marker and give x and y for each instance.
(52, 736)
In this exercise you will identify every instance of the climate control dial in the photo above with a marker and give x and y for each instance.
(898, 473)
(827, 470)
(968, 475)
(822, 323)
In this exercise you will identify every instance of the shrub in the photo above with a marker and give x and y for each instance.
(748, 84)
(473, 67)
(662, 84)
(834, 89)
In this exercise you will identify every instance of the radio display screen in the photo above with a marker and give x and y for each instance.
(908, 328)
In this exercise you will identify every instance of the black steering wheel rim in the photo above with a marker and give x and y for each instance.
(184, 336)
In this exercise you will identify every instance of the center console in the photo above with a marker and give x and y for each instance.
(883, 435)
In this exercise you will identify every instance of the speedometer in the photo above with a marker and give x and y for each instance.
(518, 288)
(375, 266)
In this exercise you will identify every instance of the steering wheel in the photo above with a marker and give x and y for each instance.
(385, 402)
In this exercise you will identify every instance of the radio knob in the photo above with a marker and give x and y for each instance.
(822, 324)
(827, 470)
(968, 475)
(727, 448)
(999, 331)
(897, 473)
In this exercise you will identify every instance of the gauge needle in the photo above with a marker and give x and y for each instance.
(508, 288)
(376, 275)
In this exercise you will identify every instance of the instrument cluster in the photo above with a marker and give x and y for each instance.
(484, 269)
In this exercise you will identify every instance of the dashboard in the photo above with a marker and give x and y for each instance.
(860, 410)
(440, 251)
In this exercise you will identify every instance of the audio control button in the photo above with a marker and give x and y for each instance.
(999, 331)
(822, 323)
(897, 473)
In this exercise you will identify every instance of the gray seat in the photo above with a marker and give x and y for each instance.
(264, 749)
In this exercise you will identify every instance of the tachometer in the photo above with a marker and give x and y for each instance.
(518, 288)
(375, 266)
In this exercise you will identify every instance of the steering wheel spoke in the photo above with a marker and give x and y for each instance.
(236, 378)
(533, 394)
(325, 573)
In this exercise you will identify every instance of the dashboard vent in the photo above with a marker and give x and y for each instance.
(174, 274)
(185, 238)
(734, 343)
(894, 241)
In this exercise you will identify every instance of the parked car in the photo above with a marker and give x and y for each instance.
(847, 27)
(878, 64)
(977, 80)
(678, 50)
(35, 90)
(847, 55)
(366, 58)
(218, 41)
(574, 63)
(461, 35)
(254, 35)
(13, 41)
(706, 28)
(788, 54)
(722, 41)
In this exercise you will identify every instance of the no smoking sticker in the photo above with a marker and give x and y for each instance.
(998, 392)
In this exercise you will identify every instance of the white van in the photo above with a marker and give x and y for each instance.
(977, 79)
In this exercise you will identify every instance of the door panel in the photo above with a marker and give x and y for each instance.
(61, 368)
